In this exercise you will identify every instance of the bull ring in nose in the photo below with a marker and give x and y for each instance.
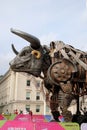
(36, 53)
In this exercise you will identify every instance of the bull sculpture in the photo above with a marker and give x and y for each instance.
(62, 68)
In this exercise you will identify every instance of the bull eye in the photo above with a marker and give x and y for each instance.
(36, 53)
(24, 53)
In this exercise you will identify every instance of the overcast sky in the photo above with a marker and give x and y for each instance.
(64, 20)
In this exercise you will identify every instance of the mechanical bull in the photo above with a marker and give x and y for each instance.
(64, 70)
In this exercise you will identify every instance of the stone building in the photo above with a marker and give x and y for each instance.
(22, 92)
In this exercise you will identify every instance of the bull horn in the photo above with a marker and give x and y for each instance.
(35, 42)
(14, 50)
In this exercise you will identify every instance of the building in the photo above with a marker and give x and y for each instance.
(22, 92)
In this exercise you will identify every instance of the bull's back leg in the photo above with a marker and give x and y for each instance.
(63, 100)
(64, 103)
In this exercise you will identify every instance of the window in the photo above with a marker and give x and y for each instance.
(37, 108)
(47, 109)
(28, 95)
(38, 96)
(27, 108)
(28, 82)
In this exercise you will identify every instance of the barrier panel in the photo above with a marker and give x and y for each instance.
(38, 122)
(17, 125)
(38, 118)
(22, 117)
(84, 126)
(2, 122)
(8, 116)
(2, 117)
(48, 118)
(48, 126)
(70, 126)
(12, 116)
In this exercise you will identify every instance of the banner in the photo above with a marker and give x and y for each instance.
(48, 126)
(2, 122)
(70, 126)
(2, 117)
(17, 125)
(48, 118)
(38, 118)
(22, 117)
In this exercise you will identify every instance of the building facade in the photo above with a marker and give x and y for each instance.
(22, 92)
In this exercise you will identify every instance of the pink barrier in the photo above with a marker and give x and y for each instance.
(17, 125)
(2, 117)
(48, 126)
(38, 118)
(27, 117)
(22, 117)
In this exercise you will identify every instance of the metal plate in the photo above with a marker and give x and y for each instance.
(62, 70)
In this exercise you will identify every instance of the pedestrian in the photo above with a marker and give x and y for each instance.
(30, 113)
(7, 112)
(16, 112)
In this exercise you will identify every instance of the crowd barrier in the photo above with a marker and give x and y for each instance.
(36, 122)
(17, 125)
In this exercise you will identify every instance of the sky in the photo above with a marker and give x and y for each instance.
(48, 20)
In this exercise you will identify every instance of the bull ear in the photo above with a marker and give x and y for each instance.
(34, 42)
(14, 50)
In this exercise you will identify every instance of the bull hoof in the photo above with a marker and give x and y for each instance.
(79, 119)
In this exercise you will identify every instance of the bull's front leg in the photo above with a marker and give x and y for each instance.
(54, 106)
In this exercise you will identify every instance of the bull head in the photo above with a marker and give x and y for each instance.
(30, 58)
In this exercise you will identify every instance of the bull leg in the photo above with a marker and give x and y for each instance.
(64, 103)
(54, 107)
(63, 100)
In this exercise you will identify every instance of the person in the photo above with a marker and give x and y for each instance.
(30, 113)
(16, 112)
(7, 112)
(21, 112)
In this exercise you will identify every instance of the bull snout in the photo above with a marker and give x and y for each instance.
(11, 63)
(12, 66)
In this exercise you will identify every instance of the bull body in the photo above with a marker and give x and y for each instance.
(63, 67)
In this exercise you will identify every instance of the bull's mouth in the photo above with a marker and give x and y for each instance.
(35, 72)
(17, 68)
